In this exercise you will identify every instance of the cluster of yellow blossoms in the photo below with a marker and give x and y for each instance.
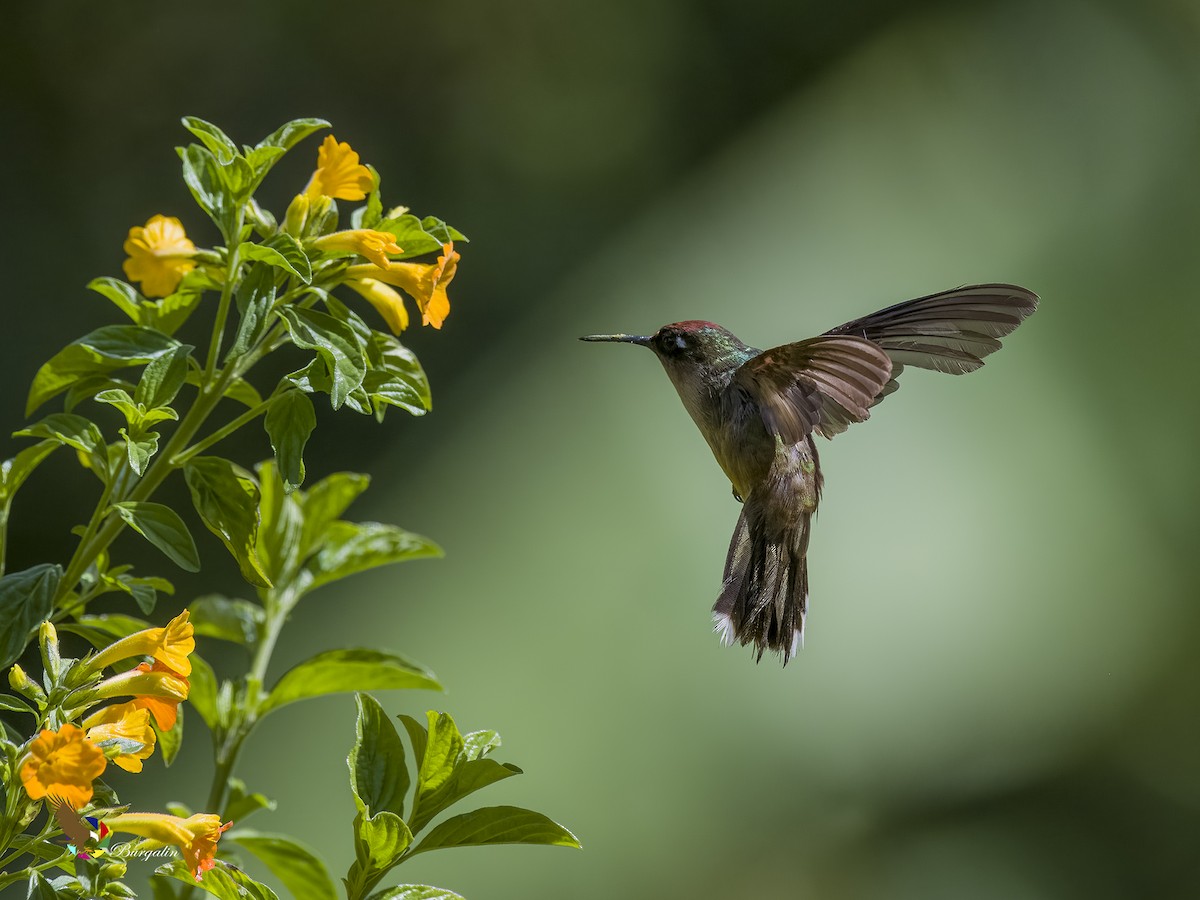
(160, 253)
(61, 766)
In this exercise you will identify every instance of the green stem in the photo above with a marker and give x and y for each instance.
(223, 432)
(218, 332)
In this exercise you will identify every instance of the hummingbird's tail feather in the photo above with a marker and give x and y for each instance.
(764, 594)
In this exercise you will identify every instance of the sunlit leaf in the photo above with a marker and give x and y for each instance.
(378, 771)
(353, 669)
(226, 497)
(162, 527)
(496, 825)
(296, 865)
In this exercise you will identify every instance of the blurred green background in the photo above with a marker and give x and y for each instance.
(998, 697)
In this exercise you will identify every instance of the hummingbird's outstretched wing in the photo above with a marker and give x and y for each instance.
(948, 332)
(810, 384)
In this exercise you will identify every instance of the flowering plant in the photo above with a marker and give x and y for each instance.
(121, 698)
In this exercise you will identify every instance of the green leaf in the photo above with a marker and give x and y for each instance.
(255, 297)
(100, 631)
(441, 232)
(162, 527)
(415, 892)
(336, 344)
(296, 865)
(324, 502)
(98, 353)
(380, 842)
(289, 422)
(378, 772)
(291, 133)
(241, 391)
(71, 431)
(203, 176)
(168, 314)
(163, 377)
(8, 703)
(13, 472)
(352, 547)
(226, 497)
(279, 525)
(409, 234)
(226, 619)
(222, 880)
(354, 669)
(396, 377)
(140, 449)
(280, 252)
(479, 744)
(171, 739)
(202, 693)
(496, 825)
(213, 138)
(241, 803)
(26, 600)
(125, 296)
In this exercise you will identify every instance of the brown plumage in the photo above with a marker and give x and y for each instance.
(759, 410)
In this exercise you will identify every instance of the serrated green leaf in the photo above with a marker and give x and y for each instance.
(296, 865)
(226, 619)
(124, 295)
(226, 497)
(163, 377)
(352, 547)
(335, 342)
(163, 528)
(202, 693)
(242, 803)
(281, 252)
(378, 771)
(98, 353)
(289, 422)
(496, 825)
(355, 669)
(222, 881)
(26, 600)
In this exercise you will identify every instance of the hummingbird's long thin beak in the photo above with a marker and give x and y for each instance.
(642, 339)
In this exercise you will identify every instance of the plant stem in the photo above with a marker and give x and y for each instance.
(223, 432)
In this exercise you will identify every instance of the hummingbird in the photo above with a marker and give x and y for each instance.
(759, 411)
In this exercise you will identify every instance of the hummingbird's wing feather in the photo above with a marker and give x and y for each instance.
(948, 332)
(821, 384)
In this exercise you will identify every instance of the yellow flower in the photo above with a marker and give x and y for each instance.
(62, 766)
(169, 645)
(339, 174)
(143, 683)
(387, 301)
(159, 255)
(126, 721)
(374, 245)
(424, 282)
(196, 836)
(164, 709)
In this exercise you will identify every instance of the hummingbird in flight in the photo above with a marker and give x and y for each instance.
(759, 410)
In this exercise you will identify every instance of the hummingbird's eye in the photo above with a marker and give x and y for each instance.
(672, 343)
